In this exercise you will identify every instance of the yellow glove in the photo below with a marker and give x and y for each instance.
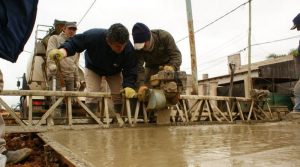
(56, 54)
(129, 92)
(168, 68)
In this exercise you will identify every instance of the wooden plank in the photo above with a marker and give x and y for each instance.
(12, 113)
(136, 112)
(250, 110)
(128, 109)
(208, 109)
(106, 111)
(228, 110)
(219, 111)
(145, 114)
(50, 111)
(197, 104)
(240, 110)
(53, 93)
(30, 111)
(90, 112)
(185, 111)
(69, 99)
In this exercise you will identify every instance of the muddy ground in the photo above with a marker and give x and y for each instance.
(20, 140)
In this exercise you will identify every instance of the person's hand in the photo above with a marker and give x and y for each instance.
(52, 68)
(129, 92)
(168, 68)
(142, 93)
(77, 85)
(56, 54)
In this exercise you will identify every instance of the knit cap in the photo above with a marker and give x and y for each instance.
(141, 34)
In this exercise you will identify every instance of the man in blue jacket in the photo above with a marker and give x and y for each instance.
(109, 55)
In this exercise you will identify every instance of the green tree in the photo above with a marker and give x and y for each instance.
(294, 52)
(273, 55)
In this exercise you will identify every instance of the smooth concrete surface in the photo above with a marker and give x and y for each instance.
(259, 145)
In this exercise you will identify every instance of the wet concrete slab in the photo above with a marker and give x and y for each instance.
(265, 144)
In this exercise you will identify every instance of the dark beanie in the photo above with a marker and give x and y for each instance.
(296, 22)
(140, 33)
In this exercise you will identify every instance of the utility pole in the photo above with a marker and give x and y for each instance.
(192, 48)
(249, 79)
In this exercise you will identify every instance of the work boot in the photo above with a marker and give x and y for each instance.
(17, 156)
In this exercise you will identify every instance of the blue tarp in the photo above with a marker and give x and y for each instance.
(17, 18)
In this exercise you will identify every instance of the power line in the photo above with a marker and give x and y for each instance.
(268, 42)
(224, 45)
(278, 40)
(212, 61)
(86, 12)
(262, 43)
(214, 64)
(216, 20)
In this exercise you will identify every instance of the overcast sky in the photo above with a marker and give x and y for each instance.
(271, 20)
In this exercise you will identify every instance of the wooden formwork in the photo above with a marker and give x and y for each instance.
(225, 109)
(190, 109)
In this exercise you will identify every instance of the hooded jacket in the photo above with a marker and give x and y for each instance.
(164, 52)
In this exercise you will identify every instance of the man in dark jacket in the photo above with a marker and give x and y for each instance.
(155, 49)
(108, 53)
(296, 25)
